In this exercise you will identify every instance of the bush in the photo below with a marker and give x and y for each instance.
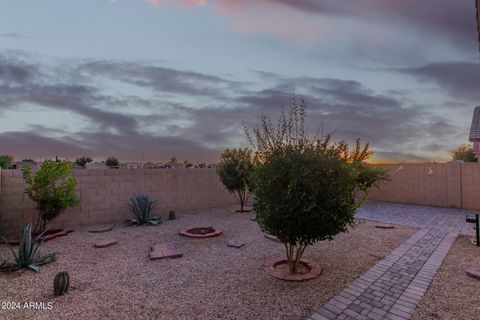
(464, 153)
(305, 189)
(82, 161)
(234, 170)
(53, 189)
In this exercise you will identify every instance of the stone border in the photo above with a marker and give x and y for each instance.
(269, 267)
(58, 233)
(186, 232)
(473, 273)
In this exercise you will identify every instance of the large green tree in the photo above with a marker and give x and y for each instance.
(306, 188)
(234, 170)
(52, 188)
(5, 161)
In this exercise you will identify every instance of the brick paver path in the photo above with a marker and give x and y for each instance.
(394, 286)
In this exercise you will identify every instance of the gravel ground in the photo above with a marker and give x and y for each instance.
(453, 295)
(211, 280)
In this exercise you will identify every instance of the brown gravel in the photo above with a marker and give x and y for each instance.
(452, 294)
(211, 280)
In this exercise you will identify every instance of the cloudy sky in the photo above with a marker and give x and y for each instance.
(147, 80)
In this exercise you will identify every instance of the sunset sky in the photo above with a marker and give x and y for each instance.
(147, 80)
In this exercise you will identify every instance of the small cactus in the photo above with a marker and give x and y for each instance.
(61, 284)
(171, 215)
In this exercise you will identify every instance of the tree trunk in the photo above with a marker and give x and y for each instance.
(294, 256)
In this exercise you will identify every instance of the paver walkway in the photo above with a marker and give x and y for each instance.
(394, 286)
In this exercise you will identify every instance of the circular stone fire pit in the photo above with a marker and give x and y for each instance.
(200, 232)
(278, 268)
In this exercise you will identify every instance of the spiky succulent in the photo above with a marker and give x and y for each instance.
(171, 215)
(28, 254)
(141, 206)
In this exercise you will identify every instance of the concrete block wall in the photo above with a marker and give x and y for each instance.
(105, 193)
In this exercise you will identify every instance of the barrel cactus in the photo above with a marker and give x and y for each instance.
(61, 284)
(171, 215)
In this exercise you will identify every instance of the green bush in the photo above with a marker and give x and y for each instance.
(305, 188)
(52, 188)
(112, 162)
(234, 170)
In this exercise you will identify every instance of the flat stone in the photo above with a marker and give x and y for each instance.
(101, 229)
(384, 226)
(105, 243)
(474, 273)
(163, 251)
(273, 238)
(235, 243)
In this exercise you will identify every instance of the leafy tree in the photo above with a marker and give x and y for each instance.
(82, 161)
(112, 162)
(173, 160)
(52, 188)
(234, 170)
(6, 161)
(305, 188)
(465, 153)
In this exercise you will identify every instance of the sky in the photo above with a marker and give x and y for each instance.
(148, 80)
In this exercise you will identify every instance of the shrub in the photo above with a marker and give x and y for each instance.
(305, 188)
(28, 254)
(52, 188)
(464, 153)
(234, 170)
(82, 161)
(141, 206)
(171, 215)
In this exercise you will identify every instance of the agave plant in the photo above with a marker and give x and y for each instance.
(141, 206)
(28, 254)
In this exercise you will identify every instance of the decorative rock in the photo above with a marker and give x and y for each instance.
(474, 273)
(163, 251)
(253, 217)
(383, 226)
(105, 243)
(235, 243)
(100, 229)
(273, 238)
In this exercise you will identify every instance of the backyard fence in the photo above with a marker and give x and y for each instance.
(449, 185)
(104, 195)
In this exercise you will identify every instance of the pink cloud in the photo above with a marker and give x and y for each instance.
(263, 17)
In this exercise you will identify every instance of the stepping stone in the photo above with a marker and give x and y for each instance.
(273, 238)
(384, 226)
(105, 243)
(100, 229)
(235, 243)
(163, 251)
(474, 273)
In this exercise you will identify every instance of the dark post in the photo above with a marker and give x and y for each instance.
(477, 229)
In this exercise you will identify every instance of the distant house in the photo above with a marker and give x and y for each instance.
(151, 165)
(131, 165)
(95, 165)
(28, 162)
(174, 165)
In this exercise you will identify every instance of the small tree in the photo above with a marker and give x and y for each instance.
(82, 161)
(112, 162)
(465, 153)
(173, 159)
(6, 161)
(234, 170)
(305, 188)
(52, 188)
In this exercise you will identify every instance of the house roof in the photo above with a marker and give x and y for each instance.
(475, 128)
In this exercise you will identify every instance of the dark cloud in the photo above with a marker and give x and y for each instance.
(460, 79)
(13, 35)
(145, 127)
